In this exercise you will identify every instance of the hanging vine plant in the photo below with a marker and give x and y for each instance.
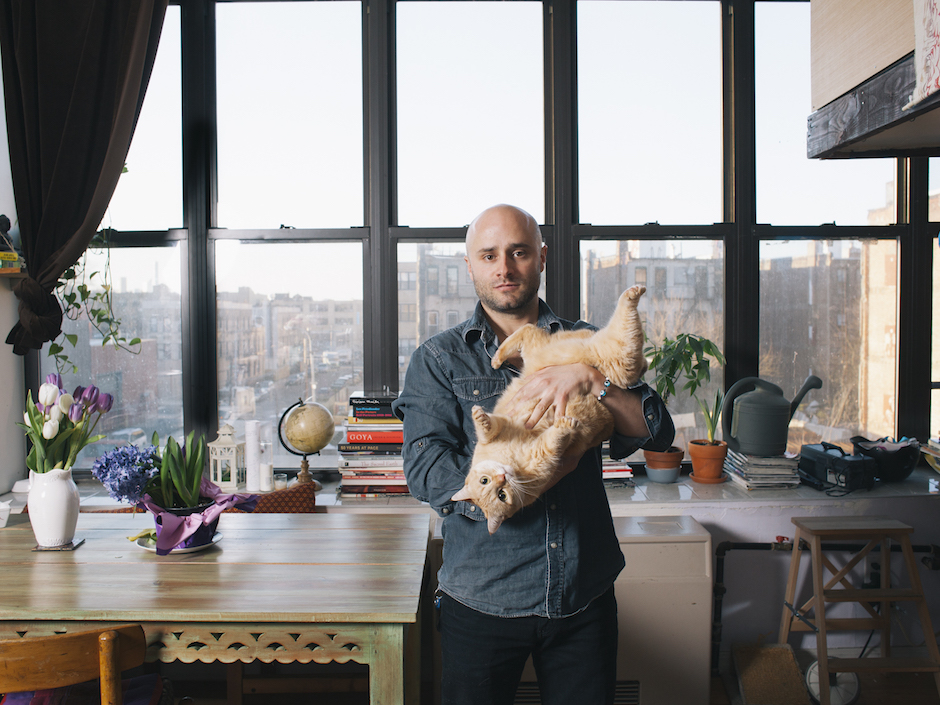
(85, 291)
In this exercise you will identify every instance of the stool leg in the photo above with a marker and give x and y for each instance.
(885, 604)
(822, 655)
(789, 595)
(930, 639)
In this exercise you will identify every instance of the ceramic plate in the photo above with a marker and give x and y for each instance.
(148, 545)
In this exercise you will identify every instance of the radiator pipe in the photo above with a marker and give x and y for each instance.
(783, 543)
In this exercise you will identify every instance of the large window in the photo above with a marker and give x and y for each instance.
(791, 189)
(145, 379)
(289, 114)
(301, 213)
(469, 77)
(645, 156)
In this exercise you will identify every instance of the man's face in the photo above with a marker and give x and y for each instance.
(505, 258)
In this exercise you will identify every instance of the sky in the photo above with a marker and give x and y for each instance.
(470, 128)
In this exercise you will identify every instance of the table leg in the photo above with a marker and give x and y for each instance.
(387, 665)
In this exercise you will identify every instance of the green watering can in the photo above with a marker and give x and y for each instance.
(757, 422)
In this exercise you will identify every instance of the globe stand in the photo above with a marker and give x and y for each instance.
(304, 475)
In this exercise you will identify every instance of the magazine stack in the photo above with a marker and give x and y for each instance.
(762, 472)
(370, 462)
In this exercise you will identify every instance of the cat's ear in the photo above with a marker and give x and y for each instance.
(492, 524)
(464, 494)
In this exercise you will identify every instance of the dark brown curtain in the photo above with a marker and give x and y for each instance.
(74, 77)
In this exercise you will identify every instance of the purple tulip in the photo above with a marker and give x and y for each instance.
(90, 395)
(76, 411)
(104, 403)
(56, 379)
(77, 394)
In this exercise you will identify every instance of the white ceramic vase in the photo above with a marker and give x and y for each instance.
(52, 504)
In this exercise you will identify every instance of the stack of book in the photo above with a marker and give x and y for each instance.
(931, 451)
(613, 469)
(370, 462)
(762, 472)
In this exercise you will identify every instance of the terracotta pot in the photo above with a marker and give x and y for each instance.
(707, 460)
(663, 460)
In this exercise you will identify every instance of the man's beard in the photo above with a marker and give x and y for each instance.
(507, 303)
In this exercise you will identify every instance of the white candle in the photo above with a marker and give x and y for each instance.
(253, 455)
(267, 477)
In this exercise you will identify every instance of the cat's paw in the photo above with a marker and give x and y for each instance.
(635, 292)
(481, 418)
(569, 422)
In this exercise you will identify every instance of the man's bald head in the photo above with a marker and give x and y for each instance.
(505, 216)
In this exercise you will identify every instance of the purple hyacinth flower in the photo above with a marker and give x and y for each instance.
(104, 403)
(90, 395)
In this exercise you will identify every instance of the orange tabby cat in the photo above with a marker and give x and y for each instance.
(511, 464)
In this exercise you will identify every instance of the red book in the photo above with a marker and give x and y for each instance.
(353, 436)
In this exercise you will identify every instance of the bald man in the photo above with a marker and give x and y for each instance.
(542, 585)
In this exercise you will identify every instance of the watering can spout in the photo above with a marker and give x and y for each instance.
(812, 382)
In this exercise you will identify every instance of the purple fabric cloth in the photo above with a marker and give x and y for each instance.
(176, 529)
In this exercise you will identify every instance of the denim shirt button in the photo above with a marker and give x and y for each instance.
(473, 507)
(445, 510)
(553, 544)
(649, 417)
(553, 507)
(476, 392)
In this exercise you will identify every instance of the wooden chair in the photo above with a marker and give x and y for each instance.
(40, 663)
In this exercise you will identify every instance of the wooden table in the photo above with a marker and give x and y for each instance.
(290, 588)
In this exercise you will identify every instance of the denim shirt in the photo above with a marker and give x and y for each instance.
(553, 557)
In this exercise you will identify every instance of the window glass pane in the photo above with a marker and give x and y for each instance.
(442, 296)
(840, 324)
(933, 188)
(149, 195)
(649, 112)
(470, 111)
(147, 386)
(290, 114)
(289, 327)
(791, 188)
(687, 296)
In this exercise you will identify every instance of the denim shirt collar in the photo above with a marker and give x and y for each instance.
(478, 326)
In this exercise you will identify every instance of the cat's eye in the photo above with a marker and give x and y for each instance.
(502, 495)
(484, 480)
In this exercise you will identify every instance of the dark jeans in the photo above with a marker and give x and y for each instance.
(575, 658)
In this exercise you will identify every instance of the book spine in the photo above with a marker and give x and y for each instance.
(369, 448)
(372, 462)
(374, 436)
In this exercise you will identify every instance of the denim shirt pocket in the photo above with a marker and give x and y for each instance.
(474, 391)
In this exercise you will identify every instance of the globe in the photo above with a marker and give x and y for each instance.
(307, 428)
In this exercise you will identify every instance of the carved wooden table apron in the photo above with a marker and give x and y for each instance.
(290, 588)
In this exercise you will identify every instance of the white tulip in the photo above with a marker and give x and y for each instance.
(55, 413)
(26, 418)
(48, 393)
(65, 402)
(50, 429)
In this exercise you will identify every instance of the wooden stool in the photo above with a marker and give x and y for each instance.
(874, 530)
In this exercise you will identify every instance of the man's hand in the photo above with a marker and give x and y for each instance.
(552, 387)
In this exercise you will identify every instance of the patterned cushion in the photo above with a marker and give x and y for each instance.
(299, 499)
(148, 689)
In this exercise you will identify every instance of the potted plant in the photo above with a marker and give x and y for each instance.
(172, 486)
(688, 357)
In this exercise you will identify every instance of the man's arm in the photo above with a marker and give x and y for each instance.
(435, 447)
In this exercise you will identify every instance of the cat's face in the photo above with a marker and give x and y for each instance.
(491, 486)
